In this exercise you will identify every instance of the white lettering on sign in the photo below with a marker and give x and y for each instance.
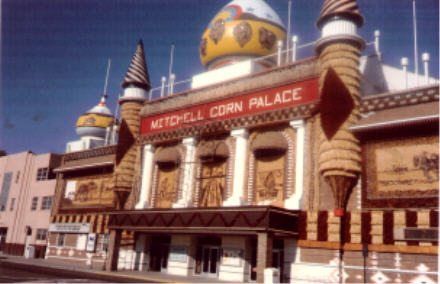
(285, 97)
(226, 109)
(276, 98)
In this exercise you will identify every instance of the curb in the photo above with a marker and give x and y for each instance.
(72, 273)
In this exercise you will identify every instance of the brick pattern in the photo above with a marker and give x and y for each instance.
(399, 99)
(92, 153)
(372, 227)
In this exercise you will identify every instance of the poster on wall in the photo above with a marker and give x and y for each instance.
(166, 192)
(232, 257)
(407, 168)
(269, 176)
(88, 192)
(213, 184)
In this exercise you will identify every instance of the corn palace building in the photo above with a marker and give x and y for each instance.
(323, 169)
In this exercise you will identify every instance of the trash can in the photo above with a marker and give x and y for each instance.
(271, 275)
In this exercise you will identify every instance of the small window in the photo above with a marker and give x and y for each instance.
(61, 239)
(42, 173)
(46, 204)
(41, 234)
(2, 207)
(17, 177)
(12, 204)
(34, 203)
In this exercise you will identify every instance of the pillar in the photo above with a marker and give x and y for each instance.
(241, 139)
(147, 171)
(264, 254)
(188, 175)
(111, 263)
(294, 201)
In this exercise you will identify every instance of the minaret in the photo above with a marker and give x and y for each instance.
(136, 85)
(339, 50)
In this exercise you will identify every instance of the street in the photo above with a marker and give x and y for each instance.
(12, 275)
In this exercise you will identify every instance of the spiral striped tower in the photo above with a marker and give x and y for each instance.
(339, 50)
(136, 85)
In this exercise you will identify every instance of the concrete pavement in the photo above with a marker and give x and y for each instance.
(72, 270)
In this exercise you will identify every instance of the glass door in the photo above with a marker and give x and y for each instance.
(210, 258)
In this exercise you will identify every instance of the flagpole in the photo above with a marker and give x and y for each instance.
(416, 61)
(289, 8)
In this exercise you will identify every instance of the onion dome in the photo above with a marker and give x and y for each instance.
(242, 29)
(137, 73)
(95, 121)
(344, 8)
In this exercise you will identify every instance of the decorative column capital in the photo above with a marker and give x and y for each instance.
(295, 124)
(149, 148)
(189, 141)
(240, 133)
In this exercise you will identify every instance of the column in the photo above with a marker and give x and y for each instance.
(188, 176)
(264, 254)
(241, 139)
(147, 171)
(294, 201)
(111, 263)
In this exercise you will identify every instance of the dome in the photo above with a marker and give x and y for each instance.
(242, 29)
(95, 121)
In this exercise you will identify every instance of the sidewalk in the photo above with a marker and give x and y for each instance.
(66, 269)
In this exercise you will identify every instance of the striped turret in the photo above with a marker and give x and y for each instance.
(339, 50)
(136, 85)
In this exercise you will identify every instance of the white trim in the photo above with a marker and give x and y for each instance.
(84, 166)
(241, 139)
(294, 201)
(147, 171)
(393, 122)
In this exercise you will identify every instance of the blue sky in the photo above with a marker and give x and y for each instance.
(54, 53)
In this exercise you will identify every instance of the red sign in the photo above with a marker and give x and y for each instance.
(270, 99)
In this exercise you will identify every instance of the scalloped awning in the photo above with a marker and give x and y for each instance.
(269, 143)
(215, 150)
(168, 156)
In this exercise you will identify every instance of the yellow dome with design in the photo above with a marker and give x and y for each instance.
(242, 29)
(95, 121)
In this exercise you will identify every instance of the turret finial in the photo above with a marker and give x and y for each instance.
(137, 73)
(343, 8)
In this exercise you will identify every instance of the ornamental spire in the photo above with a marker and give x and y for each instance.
(137, 73)
(345, 8)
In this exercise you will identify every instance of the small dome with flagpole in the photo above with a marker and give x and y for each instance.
(94, 122)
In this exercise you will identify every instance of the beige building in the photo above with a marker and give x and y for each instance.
(26, 197)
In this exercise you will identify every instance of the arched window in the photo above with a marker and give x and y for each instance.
(269, 149)
(168, 160)
(213, 156)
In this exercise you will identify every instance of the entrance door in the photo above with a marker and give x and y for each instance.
(210, 258)
(207, 256)
(159, 251)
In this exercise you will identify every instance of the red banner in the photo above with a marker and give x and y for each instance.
(270, 99)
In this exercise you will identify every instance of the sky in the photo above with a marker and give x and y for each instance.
(54, 54)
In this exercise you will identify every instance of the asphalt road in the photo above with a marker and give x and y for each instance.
(14, 275)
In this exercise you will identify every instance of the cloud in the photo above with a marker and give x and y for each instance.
(8, 124)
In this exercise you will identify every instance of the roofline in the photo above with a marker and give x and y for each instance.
(385, 124)
(94, 165)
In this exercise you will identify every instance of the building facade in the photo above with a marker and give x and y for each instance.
(28, 187)
(318, 170)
